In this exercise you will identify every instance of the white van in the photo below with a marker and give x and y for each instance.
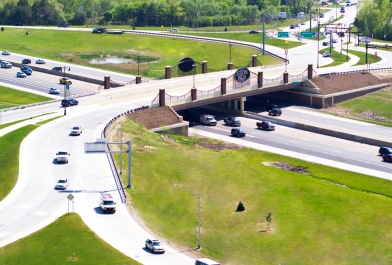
(205, 261)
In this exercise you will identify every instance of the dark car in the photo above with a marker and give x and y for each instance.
(270, 107)
(18, 24)
(385, 150)
(275, 112)
(27, 70)
(57, 68)
(387, 158)
(62, 25)
(292, 26)
(26, 61)
(265, 125)
(321, 15)
(237, 132)
(254, 32)
(342, 11)
(325, 43)
(69, 102)
(232, 121)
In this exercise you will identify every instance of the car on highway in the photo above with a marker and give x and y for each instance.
(54, 90)
(326, 54)
(335, 3)
(62, 184)
(324, 3)
(5, 64)
(205, 261)
(275, 112)
(40, 61)
(57, 68)
(27, 70)
(237, 132)
(5, 53)
(155, 246)
(325, 43)
(76, 130)
(387, 158)
(26, 61)
(62, 25)
(208, 120)
(173, 30)
(266, 125)
(62, 157)
(297, 25)
(292, 26)
(334, 40)
(342, 11)
(321, 15)
(21, 74)
(18, 24)
(232, 121)
(107, 203)
(64, 80)
(385, 150)
(69, 102)
(303, 23)
(270, 107)
(254, 32)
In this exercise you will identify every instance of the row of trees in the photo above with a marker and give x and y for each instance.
(375, 19)
(145, 13)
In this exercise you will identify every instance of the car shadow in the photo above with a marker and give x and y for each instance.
(150, 251)
(98, 210)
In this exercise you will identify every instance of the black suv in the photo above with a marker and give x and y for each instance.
(275, 112)
(26, 61)
(385, 150)
(237, 132)
(69, 102)
(270, 107)
(57, 68)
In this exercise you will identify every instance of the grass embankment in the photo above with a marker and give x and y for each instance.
(156, 52)
(257, 38)
(338, 58)
(378, 103)
(328, 216)
(55, 244)
(11, 98)
(362, 57)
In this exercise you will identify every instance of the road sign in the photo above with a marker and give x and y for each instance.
(66, 85)
(70, 197)
(283, 34)
(307, 34)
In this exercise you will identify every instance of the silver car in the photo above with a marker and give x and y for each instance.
(155, 246)
(62, 157)
(54, 90)
(62, 184)
(76, 130)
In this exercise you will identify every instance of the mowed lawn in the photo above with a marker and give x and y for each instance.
(327, 216)
(56, 243)
(70, 46)
(11, 98)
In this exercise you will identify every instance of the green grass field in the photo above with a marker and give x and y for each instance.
(73, 46)
(11, 98)
(327, 216)
(256, 38)
(338, 58)
(362, 57)
(55, 244)
(377, 102)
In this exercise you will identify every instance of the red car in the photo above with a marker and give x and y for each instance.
(387, 158)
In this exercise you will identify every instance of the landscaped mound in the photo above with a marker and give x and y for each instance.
(155, 117)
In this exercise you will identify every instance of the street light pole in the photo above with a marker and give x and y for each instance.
(194, 70)
(286, 51)
(138, 57)
(230, 44)
(65, 97)
(199, 219)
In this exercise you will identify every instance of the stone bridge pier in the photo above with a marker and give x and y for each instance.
(235, 104)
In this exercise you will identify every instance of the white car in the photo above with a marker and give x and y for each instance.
(173, 30)
(62, 184)
(155, 246)
(76, 130)
(4, 64)
(54, 90)
(40, 61)
(20, 74)
(62, 157)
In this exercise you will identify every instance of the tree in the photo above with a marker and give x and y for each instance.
(108, 16)
(22, 12)
(172, 11)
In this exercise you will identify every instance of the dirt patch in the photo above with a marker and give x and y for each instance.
(218, 145)
(287, 167)
(155, 117)
(369, 115)
(344, 82)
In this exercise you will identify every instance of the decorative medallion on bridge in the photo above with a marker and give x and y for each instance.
(242, 74)
(186, 64)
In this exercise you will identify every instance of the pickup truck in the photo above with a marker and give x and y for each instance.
(265, 125)
(232, 121)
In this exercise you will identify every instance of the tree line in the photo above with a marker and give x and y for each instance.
(374, 19)
(190, 13)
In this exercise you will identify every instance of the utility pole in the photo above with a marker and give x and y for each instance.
(263, 34)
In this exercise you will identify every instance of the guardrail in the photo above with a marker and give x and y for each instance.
(233, 42)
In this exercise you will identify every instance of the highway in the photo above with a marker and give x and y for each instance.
(34, 203)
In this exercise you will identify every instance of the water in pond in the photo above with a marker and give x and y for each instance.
(113, 60)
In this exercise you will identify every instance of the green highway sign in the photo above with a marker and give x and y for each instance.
(307, 34)
(283, 34)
